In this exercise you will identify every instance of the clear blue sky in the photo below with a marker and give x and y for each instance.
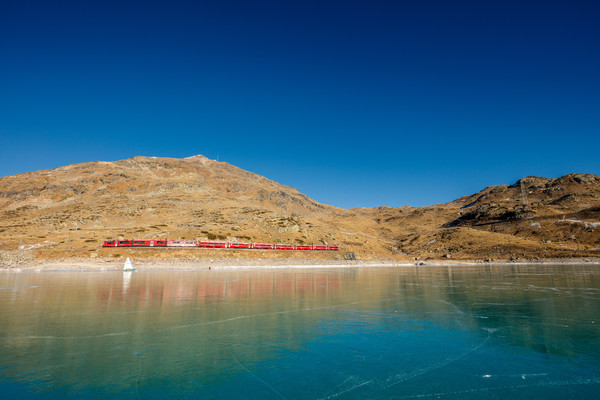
(355, 103)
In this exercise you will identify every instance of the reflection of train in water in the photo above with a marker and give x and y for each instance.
(213, 245)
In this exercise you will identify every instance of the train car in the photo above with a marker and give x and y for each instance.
(109, 243)
(319, 247)
(213, 245)
(239, 245)
(284, 247)
(124, 243)
(149, 243)
(182, 243)
(334, 248)
(262, 246)
(303, 247)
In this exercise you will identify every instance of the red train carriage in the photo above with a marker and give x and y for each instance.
(284, 247)
(212, 245)
(117, 243)
(318, 247)
(303, 247)
(333, 248)
(182, 243)
(149, 243)
(262, 246)
(239, 245)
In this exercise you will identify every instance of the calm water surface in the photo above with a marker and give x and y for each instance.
(330, 333)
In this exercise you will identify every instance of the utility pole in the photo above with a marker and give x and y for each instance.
(524, 195)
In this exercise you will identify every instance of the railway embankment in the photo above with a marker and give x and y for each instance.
(113, 258)
(10, 259)
(101, 257)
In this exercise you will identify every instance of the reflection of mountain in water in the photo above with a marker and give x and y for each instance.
(174, 322)
(550, 309)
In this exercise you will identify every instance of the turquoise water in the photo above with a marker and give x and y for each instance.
(519, 332)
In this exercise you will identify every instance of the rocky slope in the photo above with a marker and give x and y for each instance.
(533, 218)
(73, 208)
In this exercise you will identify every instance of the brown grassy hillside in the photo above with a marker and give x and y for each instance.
(534, 218)
(73, 208)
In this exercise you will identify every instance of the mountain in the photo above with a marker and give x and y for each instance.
(534, 218)
(78, 206)
(72, 209)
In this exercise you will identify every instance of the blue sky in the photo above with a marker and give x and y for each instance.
(355, 103)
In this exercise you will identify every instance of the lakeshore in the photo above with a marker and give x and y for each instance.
(26, 260)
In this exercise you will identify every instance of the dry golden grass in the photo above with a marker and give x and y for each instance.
(72, 209)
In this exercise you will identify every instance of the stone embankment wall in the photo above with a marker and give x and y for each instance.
(15, 258)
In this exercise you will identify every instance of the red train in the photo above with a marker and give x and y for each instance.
(221, 245)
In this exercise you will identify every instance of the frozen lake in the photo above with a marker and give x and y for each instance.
(519, 332)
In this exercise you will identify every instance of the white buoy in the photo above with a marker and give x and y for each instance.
(128, 266)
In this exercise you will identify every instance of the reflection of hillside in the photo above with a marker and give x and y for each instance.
(160, 317)
(549, 309)
(538, 308)
(166, 289)
(167, 321)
